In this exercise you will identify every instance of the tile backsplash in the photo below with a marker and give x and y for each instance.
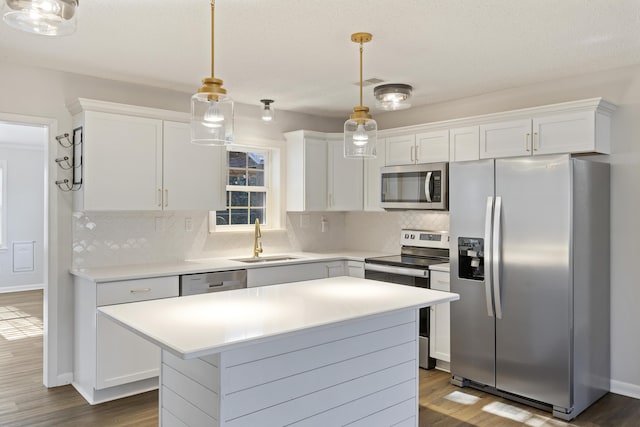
(118, 238)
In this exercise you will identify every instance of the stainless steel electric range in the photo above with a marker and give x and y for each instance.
(420, 249)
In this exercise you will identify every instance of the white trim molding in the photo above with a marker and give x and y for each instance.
(625, 389)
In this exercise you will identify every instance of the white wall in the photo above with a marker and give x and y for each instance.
(42, 93)
(622, 87)
(25, 212)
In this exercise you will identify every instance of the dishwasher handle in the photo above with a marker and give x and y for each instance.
(202, 283)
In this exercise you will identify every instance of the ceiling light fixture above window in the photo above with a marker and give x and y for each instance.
(43, 17)
(393, 96)
(268, 113)
(360, 131)
(211, 107)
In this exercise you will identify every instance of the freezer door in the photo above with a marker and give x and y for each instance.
(472, 327)
(533, 339)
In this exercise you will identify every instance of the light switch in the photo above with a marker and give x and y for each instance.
(188, 224)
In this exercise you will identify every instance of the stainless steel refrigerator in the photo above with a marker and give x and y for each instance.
(530, 260)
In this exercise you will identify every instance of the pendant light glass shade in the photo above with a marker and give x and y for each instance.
(43, 17)
(211, 107)
(360, 131)
(211, 119)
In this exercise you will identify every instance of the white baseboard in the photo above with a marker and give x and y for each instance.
(625, 389)
(19, 288)
(64, 379)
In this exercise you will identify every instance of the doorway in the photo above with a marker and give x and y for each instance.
(29, 264)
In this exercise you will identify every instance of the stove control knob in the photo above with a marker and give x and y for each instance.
(413, 236)
(406, 236)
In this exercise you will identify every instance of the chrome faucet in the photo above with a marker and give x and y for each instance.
(257, 243)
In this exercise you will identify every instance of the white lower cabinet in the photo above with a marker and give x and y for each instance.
(273, 275)
(439, 333)
(111, 362)
(355, 269)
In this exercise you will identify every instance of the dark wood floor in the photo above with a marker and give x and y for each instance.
(24, 401)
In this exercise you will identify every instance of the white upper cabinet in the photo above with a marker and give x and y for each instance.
(432, 147)
(121, 162)
(344, 179)
(193, 175)
(505, 139)
(372, 179)
(138, 163)
(401, 150)
(319, 178)
(464, 144)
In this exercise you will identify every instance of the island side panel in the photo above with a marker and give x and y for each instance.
(363, 372)
(190, 391)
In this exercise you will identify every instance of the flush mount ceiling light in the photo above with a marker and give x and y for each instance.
(44, 17)
(268, 114)
(392, 96)
(211, 108)
(360, 131)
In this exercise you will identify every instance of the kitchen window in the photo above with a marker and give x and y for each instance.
(248, 190)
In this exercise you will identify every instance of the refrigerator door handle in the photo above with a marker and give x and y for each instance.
(487, 255)
(495, 256)
(427, 186)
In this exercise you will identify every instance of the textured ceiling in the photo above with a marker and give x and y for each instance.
(299, 53)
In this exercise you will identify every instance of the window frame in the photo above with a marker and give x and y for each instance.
(273, 194)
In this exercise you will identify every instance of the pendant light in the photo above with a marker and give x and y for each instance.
(211, 108)
(268, 114)
(43, 17)
(360, 131)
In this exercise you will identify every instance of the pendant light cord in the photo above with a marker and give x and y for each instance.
(213, 7)
(360, 72)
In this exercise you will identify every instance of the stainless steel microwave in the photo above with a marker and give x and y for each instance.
(423, 186)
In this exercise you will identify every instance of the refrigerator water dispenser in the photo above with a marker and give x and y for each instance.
(471, 258)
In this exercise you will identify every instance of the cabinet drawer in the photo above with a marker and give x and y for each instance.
(440, 281)
(136, 290)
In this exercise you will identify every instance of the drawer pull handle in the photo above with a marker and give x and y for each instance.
(139, 291)
(443, 282)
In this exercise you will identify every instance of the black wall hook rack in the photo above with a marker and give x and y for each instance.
(71, 162)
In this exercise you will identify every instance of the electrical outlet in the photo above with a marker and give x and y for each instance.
(188, 224)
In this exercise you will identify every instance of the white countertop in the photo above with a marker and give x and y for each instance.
(140, 271)
(197, 325)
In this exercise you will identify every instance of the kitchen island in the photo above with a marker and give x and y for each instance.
(333, 351)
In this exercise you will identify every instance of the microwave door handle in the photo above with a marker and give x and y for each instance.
(427, 186)
(488, 282)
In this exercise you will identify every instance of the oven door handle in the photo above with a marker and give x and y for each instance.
(414, 272)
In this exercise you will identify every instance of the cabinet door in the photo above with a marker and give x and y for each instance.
(355, 269)
(564, 133)
(464, 144)
(315, 174)
(344, 179)
(335, 269)
(372, 179)
(432, 147)
(286, 273)
(439, 334)
(122, 162)
(401, 150)
(194, 175)
(122, 356)
(506, 139)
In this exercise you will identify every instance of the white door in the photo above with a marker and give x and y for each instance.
(122, 162)
(464, 144)
(194, 175)
(344, 179)
(432, 147)
(401, 150)
(315, 174)
(506, 139)
(564, 133)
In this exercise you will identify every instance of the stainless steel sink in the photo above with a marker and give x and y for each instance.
(254, 260)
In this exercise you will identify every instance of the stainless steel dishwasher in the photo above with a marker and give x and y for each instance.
(202, 283)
